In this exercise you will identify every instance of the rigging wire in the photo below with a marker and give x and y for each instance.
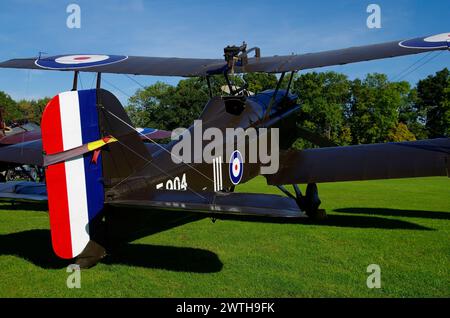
(79, 79)
(425, 61)
(93, 80)
(151, 140)
(135, 80)
(157, 144)
(411, 66)
(421, 65)
(154, 165)
(115, 87)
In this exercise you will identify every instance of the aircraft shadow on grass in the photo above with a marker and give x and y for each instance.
(24, 206)
(396, 212)
(354, 221)
(161, 221)
(35, 245)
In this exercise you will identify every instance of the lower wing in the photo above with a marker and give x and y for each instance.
(23, 191)
(364, 162)
(206, 202)
(216, 203)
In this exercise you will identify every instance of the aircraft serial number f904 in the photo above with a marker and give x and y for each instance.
(176, 184)
(231, 307)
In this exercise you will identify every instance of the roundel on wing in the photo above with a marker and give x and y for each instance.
(77, 61)
(436, 41)
(236, 167)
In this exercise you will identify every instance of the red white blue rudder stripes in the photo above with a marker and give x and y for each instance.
(74, 187)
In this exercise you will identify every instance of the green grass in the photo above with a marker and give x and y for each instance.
(401, 225)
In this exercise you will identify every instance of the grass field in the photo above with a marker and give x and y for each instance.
(401, 225)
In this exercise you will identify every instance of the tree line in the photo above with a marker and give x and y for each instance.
(369, 110)
(12, 111)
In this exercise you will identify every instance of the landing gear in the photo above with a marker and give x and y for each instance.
(308, 203)
(22, 173)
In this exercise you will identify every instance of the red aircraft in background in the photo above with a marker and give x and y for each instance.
(22, 133)
(14, 133)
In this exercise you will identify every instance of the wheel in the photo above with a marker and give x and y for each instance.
(311, 202)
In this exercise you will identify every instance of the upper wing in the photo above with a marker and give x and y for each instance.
(365, 162)
(278, 64)
(137, 65)
(186, 67)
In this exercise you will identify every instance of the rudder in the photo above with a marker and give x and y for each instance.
(74, 187)
(75, 125)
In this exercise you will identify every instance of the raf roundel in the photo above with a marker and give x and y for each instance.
(438, 41)
(78, 61)
(236, 167)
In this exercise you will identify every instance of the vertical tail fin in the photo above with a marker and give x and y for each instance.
(129, 154)
(76, 186)
(75, 189)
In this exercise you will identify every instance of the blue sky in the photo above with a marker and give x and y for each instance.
(201, 28)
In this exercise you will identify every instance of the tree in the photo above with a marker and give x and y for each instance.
(167, 107)
(190, 98)
(400, 133)
(258, 82)
(144, 103)
(371, 110)
(323, 100)
(8, 107)
(374, 108)
(433, 99)
(32, 110)
(412, 117)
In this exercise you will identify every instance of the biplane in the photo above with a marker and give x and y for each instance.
(95, 160)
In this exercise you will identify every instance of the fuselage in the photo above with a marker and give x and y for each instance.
(196, 174)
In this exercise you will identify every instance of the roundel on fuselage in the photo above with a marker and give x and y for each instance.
(236, 167)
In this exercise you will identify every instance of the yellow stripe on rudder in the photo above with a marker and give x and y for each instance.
(94, 145)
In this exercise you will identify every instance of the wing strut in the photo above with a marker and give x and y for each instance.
(75, 80)
(266, 115)
(99, 80)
